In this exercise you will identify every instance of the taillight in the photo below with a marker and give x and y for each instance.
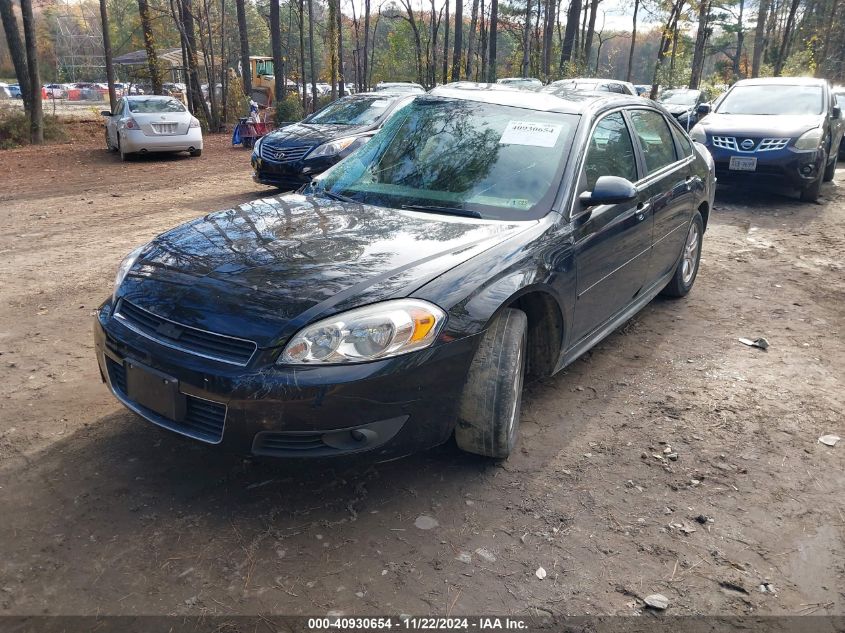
(131, 124)
(194, 122)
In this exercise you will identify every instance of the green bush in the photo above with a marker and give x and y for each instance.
(289, 109)
(14, 128)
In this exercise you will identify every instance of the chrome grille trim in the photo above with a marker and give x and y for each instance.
(284, 154)
(146, 331)
(763, 145)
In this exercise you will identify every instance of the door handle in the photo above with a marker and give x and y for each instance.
(642, 209)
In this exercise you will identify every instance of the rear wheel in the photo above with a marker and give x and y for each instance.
(687, 268)
(195, 152)
(488, 419)
(124, 155)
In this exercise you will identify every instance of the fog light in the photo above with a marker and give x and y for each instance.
(807, 170)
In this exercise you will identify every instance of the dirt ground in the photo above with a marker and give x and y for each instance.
(105, 513)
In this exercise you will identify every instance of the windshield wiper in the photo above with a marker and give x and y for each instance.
(335, 196)
(427, 208)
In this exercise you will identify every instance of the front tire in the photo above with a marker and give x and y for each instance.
(687, 268)
(811, 192)
(830, 169)
(488, 418)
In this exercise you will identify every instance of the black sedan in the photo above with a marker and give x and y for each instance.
(482, 236)
(289, 157)
(777, 130)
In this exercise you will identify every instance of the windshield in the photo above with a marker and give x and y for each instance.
(458, 156)
(352, 111)
(680, 97)
(773, 99)
(153, 106)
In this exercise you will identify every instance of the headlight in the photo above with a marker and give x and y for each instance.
(698, 135)
(332, 148)
(810, 140)
(124, 267)
(378, 331)
(257, 145)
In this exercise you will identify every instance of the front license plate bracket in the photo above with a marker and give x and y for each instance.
(154, 390)
(743, 163)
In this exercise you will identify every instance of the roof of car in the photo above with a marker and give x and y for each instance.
(501, 94)
(782, 81)
(147, 97)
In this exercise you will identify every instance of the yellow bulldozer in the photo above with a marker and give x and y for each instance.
(263, 80)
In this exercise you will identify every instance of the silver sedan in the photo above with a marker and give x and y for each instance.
(150, 123)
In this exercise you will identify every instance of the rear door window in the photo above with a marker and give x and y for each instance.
(655, 138)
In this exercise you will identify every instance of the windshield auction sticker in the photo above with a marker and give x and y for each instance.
(531, 133)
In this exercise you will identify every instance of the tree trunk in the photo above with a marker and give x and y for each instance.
(526, 40)
(276, 48)
(199, 104)
(548, 38)
(332, 32)
(104, 19)
(568, 45)
(700, 43)
(759, 38)
(591, 30)
(633, 42)
(446, 46)
(36, 116)
(783, 50)
(485, 49)
(302, 56)
(149, 45)
(473, 22)
(492, 38)
(457, 53)
(16, 52)
(740, 38)
(311, 54)
(373, 49)
(366, 85)
(341, 80)
(243, 36)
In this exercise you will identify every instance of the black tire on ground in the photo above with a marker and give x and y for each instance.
(488, 417)
(196, 153)
(811, 192)
(830, 170)
(687, 268)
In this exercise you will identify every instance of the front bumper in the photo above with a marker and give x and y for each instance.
(387, 408)
(786, 167)
(289, 175)
(136, 141)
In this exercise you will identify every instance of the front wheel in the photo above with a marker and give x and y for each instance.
(811, 192)
(488, 418)
(687, 268)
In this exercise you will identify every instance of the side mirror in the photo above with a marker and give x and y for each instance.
(105, 113)
(703, 108)
(609, 190)
(836, 112)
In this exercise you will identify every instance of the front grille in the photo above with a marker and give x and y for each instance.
(764, 145)
(204, 420)
(284, 154)
(220, 347)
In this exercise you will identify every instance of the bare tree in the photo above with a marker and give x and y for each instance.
(700, 42)
(630, 70)
(366, 75)
(459, 34)
(311, 54)
(526, 40)
(492, 38)
(36, 115)
(243, 38)
(786, 40)
(16, 51)
(276, 48)
(341, 79)
(567, 46)
(446, 46)
(150, 46)
(107, 53)
(471, 40)
(548, 38)
(740, 38)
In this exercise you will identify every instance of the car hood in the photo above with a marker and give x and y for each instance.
(264, 269)
(311, 134)
(755, 125)
(675, 108)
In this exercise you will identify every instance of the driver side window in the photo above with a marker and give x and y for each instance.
(610, 151)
